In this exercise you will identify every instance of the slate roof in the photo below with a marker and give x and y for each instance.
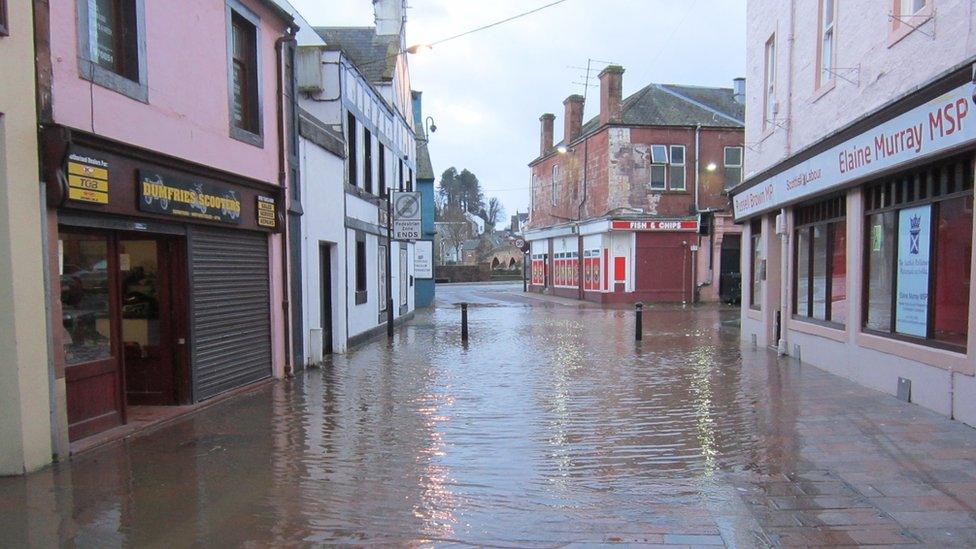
(673, 105)
(425, 170)
(374, 56)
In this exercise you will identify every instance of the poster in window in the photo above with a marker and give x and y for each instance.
(912, 299)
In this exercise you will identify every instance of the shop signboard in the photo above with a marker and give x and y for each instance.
(87, 179)
(423, 259)
(944, 123)
(914, 239)
(166, 195)
(406, 216)
(661, 225)
(267, 212)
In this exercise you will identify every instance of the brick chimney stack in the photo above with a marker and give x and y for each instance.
(546, 141)
(573, 119)
(611, 93)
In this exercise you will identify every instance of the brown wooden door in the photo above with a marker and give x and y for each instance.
(146, 280)
(89, 304)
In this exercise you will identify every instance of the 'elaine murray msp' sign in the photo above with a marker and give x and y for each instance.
(944, 123)
(168, 196)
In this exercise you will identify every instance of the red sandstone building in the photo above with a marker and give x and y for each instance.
(632, 206)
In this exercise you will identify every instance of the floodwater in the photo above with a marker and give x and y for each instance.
(550, 426)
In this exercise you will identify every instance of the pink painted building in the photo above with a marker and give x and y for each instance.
(858, 195)
(166, 157)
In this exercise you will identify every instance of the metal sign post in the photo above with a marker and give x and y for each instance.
(389, 264)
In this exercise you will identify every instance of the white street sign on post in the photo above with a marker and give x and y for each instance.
(406, 216)
(423, 259)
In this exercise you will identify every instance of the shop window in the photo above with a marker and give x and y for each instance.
(733, 166)
(919, 242)
(756, 264)
(381, 275)
(85, 286)
(361, 268)
(245, 97)
(112, 45)
(367, 161)
(769, 83)
(353, 153)
(3, 18)
(827, 42)
(820, 262)
(676, 176)
(382, 166)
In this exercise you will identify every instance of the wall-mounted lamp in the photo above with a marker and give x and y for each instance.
(561, 149)
(711, 167)
(419, 48)
(429, 125)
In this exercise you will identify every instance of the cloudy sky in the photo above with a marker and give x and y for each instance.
(487, 90)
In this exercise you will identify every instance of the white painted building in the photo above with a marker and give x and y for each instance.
(858, 196)
(355, 91)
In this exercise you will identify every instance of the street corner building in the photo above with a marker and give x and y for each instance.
(166, 202)
(857, 204)
(632, 205)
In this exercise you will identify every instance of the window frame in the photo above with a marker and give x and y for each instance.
(894, 199)
(89, 69)
(828, 64)
(682, 167)
(352, 142)
(367, 160)
(899, 28)
(382, 248)
(726, 165)
(769, 81)
(361, 268)
(824, 213)
(4, 21)
(381, 163)
(253, 138)
(755, 247)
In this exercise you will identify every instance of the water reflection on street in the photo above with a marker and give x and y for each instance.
(551, 425)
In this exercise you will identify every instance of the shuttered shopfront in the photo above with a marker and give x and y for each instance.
(230, 309)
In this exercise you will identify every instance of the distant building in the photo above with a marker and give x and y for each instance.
(518, 223)
(858, 198)
(632, 205)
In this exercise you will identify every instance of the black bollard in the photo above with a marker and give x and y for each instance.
(639, 325)
(464, 322)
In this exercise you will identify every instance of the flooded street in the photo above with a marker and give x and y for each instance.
(551, 426)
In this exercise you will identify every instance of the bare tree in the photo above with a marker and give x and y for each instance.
(493, 214)
(454, 228)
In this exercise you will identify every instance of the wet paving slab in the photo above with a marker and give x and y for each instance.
(551, 427)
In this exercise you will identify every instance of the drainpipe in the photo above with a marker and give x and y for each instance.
(289, 38)
(697, 164)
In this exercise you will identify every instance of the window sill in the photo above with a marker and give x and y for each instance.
(360, 297)
(250, 138)
(823, 90)
(100, 76)
(819, 328)
(754, 314)
(946, 359)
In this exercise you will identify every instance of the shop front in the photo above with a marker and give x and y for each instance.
(621, 260)
(858, 256)
(163, 286)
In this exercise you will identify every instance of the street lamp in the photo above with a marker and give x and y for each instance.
(562, 149)
(711, 167)
(419, 48)
(429, 126)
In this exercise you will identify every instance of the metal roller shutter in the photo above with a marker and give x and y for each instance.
(230, 303)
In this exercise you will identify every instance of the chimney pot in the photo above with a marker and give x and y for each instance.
(611, 93)
(546, 137)
(739, 90)
(573, 119)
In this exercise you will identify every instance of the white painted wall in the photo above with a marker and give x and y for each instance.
(884, 71)
(323, 222)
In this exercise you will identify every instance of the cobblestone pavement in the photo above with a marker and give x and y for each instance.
(551, 427)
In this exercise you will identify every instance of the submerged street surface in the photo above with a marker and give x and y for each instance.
(551, 426)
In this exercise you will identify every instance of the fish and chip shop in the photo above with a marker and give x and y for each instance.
(857, 252)
(163, 284)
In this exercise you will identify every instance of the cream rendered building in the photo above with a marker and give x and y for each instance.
(25, 412)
